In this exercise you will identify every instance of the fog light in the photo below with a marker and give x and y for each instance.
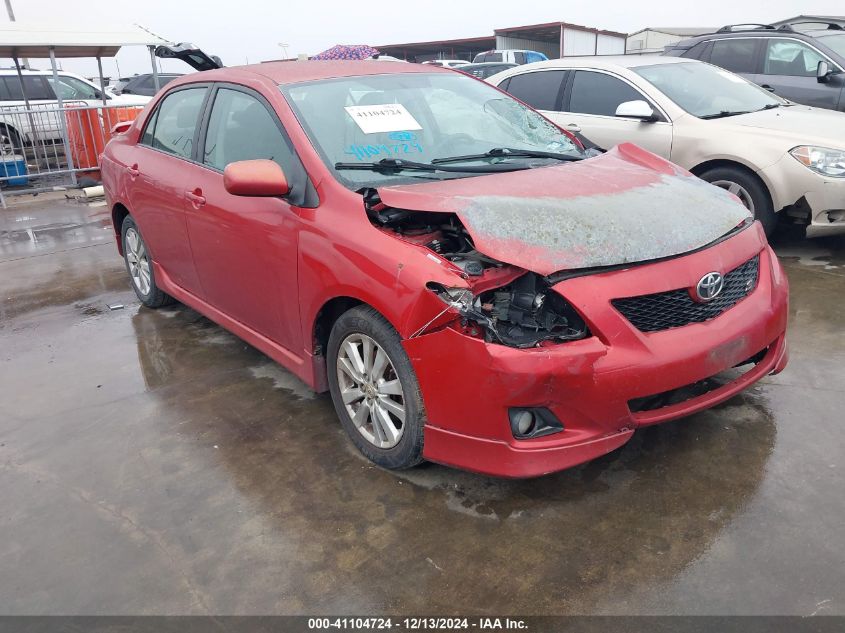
(528, 422)
(524, 422)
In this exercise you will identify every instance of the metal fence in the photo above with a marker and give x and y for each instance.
(46, 146)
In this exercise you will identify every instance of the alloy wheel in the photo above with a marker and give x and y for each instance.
(738, 190)
(371, 390)
(138, 261)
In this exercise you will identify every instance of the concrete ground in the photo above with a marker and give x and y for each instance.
(150, 462)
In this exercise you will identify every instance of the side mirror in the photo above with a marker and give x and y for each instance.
(823, 72)
(260, 177)
(638, 109)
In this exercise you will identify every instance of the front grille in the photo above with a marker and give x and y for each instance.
(675, 308)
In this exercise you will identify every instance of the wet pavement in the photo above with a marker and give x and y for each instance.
(150, 462)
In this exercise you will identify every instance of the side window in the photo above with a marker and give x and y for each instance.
(538, 89)
(792, 58)
(519, 57)
(696, 52)
(71, 89)
(598, 93)
(35, 86)
(241, 128)
(736, 55)
(147, 137)
(172, 126)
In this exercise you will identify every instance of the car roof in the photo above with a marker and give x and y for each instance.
(488, 64)
(609, 61)
(757, 32)
(291, 72)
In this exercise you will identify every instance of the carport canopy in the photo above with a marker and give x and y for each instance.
(20, 39)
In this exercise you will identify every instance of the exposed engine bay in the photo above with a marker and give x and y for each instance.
(524, 313)
(442, 233)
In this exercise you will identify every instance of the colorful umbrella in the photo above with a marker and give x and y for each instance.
(348, 51)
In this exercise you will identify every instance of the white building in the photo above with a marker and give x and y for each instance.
(655, 39)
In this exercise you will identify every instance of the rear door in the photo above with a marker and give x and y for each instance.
(589, 106)
(245, 248)
(789, 69)
(158, 176)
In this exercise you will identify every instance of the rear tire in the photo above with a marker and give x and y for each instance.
(139, 265)
(374, 389)
(10, 141)
(749, 189)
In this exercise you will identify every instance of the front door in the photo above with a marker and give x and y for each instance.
(245, 248)
(789, 70)
(592, 101)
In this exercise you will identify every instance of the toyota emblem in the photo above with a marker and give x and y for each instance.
(710, 286)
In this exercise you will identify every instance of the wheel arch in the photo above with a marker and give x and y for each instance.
(321, 326)
(118, 215)
(699, 169)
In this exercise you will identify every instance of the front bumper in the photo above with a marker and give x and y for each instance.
(823, 197)
(468, 385)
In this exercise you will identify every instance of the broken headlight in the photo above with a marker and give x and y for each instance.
(525, 313)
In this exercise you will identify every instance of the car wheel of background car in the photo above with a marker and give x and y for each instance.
(10, 141)
(749, 189)
(140, 267)
(374, 389)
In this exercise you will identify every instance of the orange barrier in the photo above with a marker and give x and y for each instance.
(89, 129)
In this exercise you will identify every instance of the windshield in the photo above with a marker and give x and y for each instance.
(706, 91)
(418, 117)
(834, 42)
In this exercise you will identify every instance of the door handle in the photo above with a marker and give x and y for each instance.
(768, 87)
(134, 171)
(196, 197)
(573, 127)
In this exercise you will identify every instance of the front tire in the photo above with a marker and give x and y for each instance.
(374, 389)
(749, 189)
(139, 265)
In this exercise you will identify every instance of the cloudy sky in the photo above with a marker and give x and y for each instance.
(249, 31)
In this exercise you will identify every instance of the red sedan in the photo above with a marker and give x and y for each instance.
(471, 285)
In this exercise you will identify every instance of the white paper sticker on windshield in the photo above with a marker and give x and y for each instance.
(734, 78)
(389, 117)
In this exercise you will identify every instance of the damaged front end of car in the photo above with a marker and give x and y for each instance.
(501, 303)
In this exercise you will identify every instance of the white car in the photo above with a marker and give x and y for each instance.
(17, 126)
(448, 63)
(776, 156)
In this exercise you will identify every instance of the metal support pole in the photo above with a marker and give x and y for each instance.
(61, 117)
(155, 68)
(102, 79)
(29, 117)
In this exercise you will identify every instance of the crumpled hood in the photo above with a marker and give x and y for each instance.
(625, 206)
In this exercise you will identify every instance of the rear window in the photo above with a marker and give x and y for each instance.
(487, 57)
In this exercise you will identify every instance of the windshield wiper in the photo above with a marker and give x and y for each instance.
(771, 106)
(723, 114)
(397, 164)
(507, 152)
